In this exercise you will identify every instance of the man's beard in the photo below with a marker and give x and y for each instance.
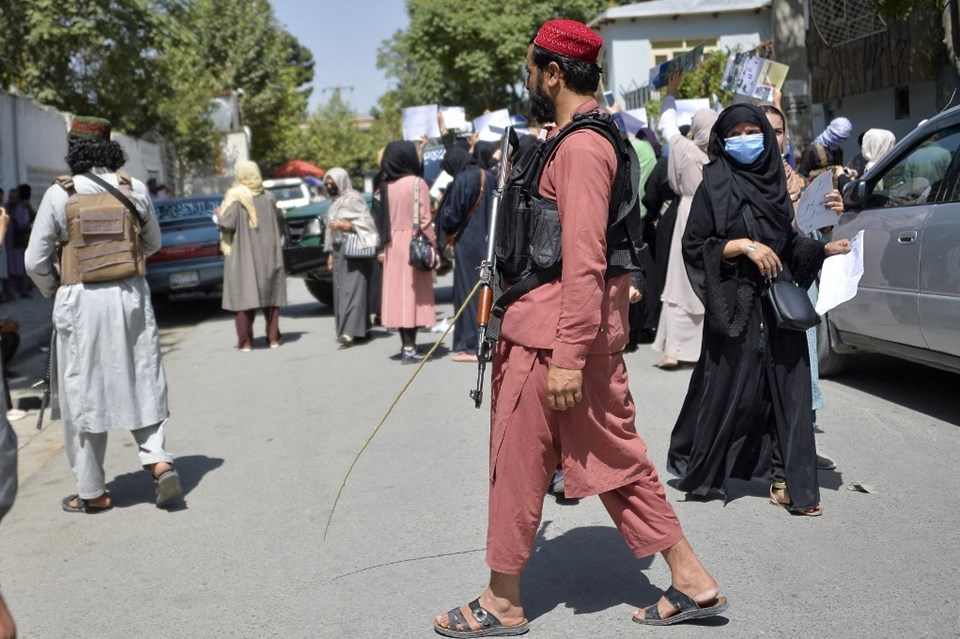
(542, 109)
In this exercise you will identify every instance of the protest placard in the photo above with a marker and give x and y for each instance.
(753, 76)
(420, 120)
(631, 121)
(499, 119)
(812, 214)
(455, 118)
(660, 74)
(687, 108)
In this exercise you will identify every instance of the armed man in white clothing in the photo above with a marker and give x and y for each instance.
(108, 373)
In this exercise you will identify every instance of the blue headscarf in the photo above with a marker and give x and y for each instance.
(835, 134)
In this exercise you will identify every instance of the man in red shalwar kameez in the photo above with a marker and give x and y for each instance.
(559, 390)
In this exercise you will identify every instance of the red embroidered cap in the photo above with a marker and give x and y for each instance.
(89, 128)
(570, 38)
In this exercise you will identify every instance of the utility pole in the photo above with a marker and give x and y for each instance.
(336, 90)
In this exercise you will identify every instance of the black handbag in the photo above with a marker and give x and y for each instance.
(423, 255)
(791, 307)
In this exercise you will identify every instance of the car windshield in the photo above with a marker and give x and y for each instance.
(286, 192)
(185, 209)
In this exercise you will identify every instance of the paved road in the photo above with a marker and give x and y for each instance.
(263, 441)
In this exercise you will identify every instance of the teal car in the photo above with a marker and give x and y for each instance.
(303, 255)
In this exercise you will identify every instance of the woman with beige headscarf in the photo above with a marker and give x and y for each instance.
(352, 242)
(680, 330)
(253, 275)
(876, 144)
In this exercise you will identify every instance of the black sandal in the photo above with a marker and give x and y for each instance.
(83, 506)
(490, 626)
(687, 609)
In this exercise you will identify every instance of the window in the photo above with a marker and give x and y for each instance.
(918, 175)
(663, 50)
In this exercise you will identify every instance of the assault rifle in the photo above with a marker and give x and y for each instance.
(508, 146)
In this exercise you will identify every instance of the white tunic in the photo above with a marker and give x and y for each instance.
(109, 371)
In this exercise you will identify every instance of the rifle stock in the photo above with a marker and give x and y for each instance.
(508, 146)
(44, 384)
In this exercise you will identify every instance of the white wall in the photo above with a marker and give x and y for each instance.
(875, 110)
(33, 145)
(628, 50)
(144, 160)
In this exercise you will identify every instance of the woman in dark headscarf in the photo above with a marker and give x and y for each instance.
(483, 153)
(749, 397)
(407, 298)
(465, 219)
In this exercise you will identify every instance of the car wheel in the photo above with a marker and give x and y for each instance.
(829, 361)
(322, 290)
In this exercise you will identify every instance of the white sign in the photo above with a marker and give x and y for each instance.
(840, 276)
(812, 214)
(419, 121)
(499, 119)
(687, 108)
(454, 118)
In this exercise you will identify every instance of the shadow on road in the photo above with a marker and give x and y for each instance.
(186, 310)
(586, 569)
(135, 488)
(306, 309)
(914, 386)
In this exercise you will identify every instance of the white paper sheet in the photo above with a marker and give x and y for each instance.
(454, 117)
(811, 213)
(420, 120)
(686, 109)
(500, 119)
(840, 276)
(440, 184)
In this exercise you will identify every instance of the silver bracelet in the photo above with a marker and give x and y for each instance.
(751, 248)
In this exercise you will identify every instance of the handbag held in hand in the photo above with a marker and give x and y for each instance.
(352, 249)
(423, 255)
(791, 307)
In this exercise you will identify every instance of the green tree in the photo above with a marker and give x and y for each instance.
(332, 138)
(156, 64)
(93, 57)
(470, 53)
(702, 82)
(242, 47)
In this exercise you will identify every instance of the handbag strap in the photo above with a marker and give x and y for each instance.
(416, 204)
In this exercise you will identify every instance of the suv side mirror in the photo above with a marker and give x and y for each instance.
(854, 195)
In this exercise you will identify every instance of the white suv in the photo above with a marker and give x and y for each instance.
(290, 192)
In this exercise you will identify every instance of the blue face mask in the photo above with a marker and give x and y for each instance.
(744, 149)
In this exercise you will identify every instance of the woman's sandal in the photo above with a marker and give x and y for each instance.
(687, 609)
(806, 512)
(490, 626)
(83, 506)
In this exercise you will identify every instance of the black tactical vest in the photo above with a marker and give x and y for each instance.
(528, 242)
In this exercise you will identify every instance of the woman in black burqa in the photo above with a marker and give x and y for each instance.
(747, 410)
(465, 217)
